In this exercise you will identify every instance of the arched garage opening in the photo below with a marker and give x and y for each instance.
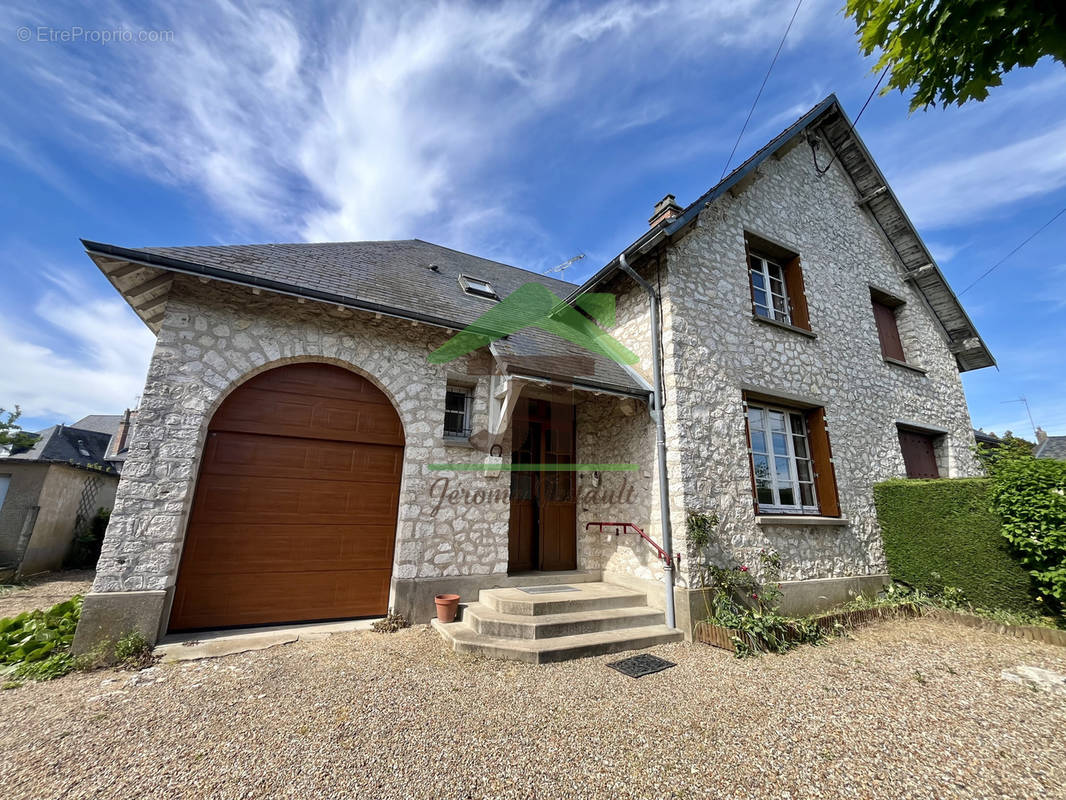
(294, 516)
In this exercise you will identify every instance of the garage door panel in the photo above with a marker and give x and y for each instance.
(294, 516)
(286, 457)
(261, 411)
(232, 498)
(222, 548)
(275, 597)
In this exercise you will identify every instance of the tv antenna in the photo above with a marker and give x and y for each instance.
(561, 268)
(1022, 399)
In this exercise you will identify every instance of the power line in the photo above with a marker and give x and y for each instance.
(851, 127)
(757, 96)
(1028, 239)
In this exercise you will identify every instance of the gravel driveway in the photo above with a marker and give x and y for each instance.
(905, 709)
(44, 592)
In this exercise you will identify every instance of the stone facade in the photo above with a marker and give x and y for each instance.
(718, 350)
(453, 526)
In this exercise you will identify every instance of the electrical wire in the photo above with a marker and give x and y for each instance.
(1028, 239)
(851, 128)
(759, 94)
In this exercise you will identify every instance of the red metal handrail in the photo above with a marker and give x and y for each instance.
(620, 528)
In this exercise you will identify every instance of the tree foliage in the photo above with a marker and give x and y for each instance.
(952, 51)
(11, 435)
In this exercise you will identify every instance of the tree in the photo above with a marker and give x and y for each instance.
(1007, 447)
(11, 435)
(952, 51)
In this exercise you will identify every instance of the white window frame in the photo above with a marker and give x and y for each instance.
(764, 268)
(468, 394)
(777, 507)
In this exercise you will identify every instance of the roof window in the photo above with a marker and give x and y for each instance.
(477, 287)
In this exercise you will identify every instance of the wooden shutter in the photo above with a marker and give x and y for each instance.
(825, 482)
(747, 274)
(797, 297)
(751, 463)
(919, 454)
(887, 332)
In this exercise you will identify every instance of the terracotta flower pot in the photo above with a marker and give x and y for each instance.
(447, 605)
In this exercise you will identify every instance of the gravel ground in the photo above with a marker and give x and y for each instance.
(44, 592)
(906, 709)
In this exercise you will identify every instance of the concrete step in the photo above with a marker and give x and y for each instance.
(488, 622)
(464, 639)
(586, 597)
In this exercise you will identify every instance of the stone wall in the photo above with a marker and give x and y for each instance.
(719, 350)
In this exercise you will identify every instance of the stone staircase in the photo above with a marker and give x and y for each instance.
(538, 624)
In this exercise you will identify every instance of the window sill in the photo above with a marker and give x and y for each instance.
(799, 520)
(457, 441)
(897, 363)
(785, 326)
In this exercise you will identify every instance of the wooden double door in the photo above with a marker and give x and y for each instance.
(543, 529)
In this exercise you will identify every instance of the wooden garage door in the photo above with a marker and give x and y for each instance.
(294, 516)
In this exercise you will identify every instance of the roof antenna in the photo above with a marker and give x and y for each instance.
(561, 268)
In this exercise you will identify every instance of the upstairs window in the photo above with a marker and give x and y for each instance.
(478, 287)
(769, 293)
(919, 453)
(776, 282)
(457, 406)
(885, 308)
(791, 463)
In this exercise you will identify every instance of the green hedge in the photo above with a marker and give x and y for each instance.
(946, 527)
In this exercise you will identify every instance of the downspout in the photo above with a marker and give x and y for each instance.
(660, 432)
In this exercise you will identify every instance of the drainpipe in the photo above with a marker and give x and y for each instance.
(660, 433)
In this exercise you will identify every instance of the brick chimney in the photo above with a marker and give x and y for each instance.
(1041, 436)
(121, 434)
(665, 209)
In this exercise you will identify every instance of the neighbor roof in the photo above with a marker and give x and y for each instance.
(410, 279)
(1052, 447)
(101, 423)
(829, 119)
(64, 444)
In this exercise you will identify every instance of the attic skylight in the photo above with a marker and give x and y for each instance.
(478, 287)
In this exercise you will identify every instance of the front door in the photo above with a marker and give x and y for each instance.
(543, 532)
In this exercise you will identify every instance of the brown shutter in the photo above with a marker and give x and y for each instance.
(751, 463)
(919, 454)
(797, 297)
(887, 332)
(747, 274)
(825, 482)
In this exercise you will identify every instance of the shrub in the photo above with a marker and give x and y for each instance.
(941, 533)
(85, 547)
(1030, 496)
(36, 644)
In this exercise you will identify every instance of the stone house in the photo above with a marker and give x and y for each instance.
(333, 430)
(50, 491)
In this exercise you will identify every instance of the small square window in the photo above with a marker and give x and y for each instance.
(457, 408)
(478, 287)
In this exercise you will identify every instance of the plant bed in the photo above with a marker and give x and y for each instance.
(826, 624)
(1032, 633)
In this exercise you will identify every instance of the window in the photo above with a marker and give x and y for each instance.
(478, 287)
(791, 464)
(919, 453)
(776, 283)
(769, 293)
(457, 402)
(887, 331)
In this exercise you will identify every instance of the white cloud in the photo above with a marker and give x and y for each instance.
(961, 190)
(73, 355)
(382, 122)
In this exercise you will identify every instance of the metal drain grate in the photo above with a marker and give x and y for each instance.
(639, 666)
(548, 589)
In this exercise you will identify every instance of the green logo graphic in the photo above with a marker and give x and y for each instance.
(534, 305)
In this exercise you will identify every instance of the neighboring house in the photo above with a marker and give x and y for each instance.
(1050, 446)
(302, 453)
(52, 490)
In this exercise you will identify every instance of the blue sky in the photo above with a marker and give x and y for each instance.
(525, 132)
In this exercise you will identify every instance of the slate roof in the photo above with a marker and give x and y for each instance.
(395, 278)
(101, 423)
(64, 444)
(1052, 447)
